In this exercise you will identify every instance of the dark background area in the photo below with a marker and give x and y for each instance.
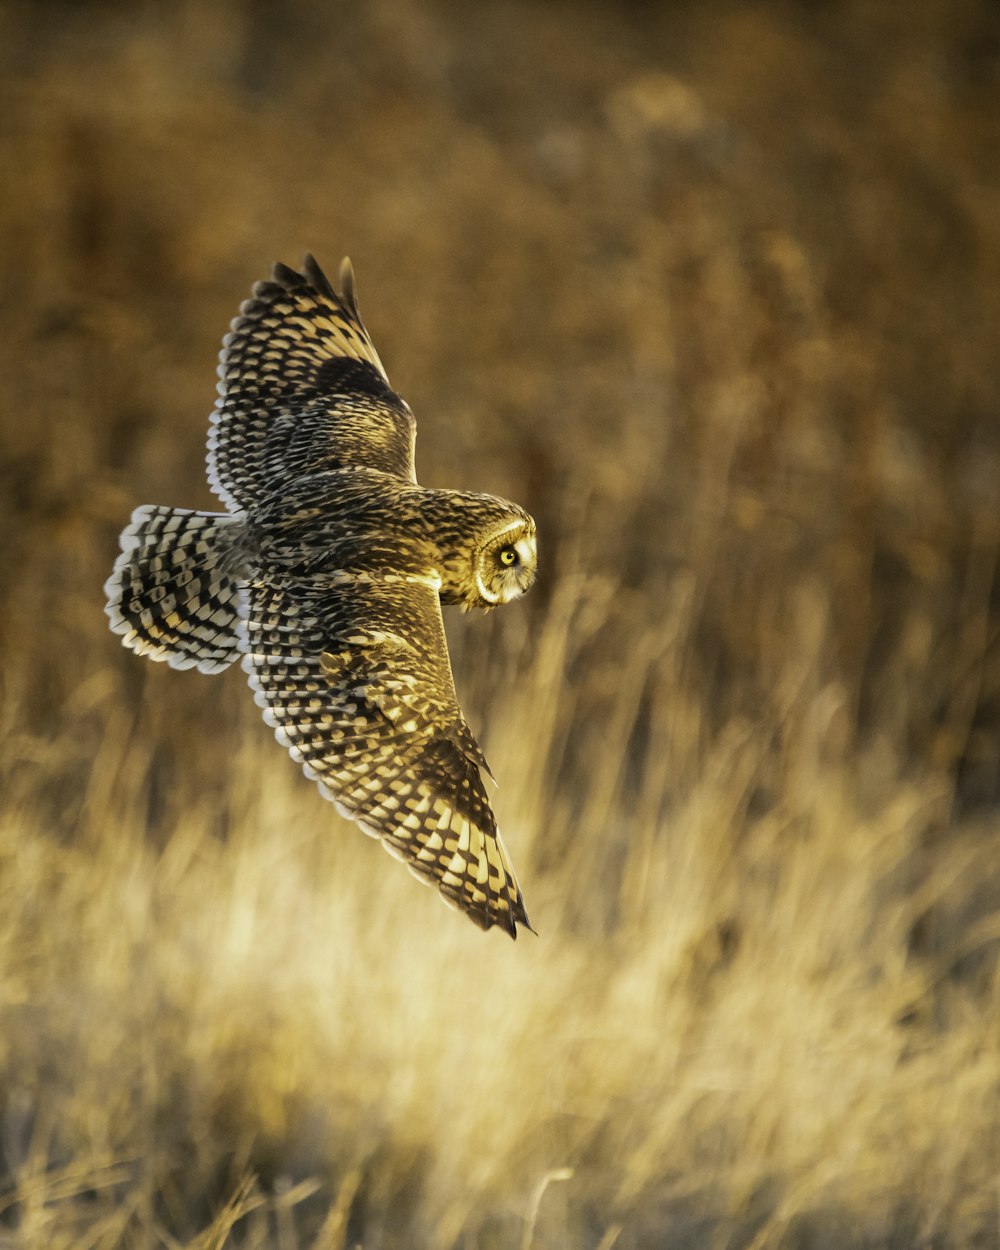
(724, 280)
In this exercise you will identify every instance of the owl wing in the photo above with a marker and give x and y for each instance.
(354, 677)
(301, 389)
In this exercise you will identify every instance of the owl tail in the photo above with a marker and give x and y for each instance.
(169, 594)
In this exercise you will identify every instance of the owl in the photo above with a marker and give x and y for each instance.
(325, 577)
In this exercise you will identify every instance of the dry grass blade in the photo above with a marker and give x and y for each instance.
(244, 1199)
(553, 1175)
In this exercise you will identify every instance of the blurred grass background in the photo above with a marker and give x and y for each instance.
(714, 291)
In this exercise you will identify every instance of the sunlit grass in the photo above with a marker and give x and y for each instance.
(722, 1023)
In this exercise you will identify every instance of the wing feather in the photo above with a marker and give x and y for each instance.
(355, 680)
(302, 389)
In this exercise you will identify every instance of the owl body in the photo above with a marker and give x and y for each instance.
(367, 521)
(326, 577)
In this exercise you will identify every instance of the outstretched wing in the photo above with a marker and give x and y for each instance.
(301, 389)
(354, 677)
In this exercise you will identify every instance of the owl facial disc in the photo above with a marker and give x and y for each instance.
(506, 566)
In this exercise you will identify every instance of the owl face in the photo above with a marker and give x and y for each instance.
(505, 564)
(486, 547)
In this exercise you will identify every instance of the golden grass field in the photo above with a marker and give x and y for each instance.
(714, 291)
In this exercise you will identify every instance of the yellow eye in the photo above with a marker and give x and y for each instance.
(508, 556)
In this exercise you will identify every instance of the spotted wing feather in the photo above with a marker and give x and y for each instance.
(301, 389)
(170, 595)
(353, 674)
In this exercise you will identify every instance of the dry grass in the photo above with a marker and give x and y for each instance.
(715, 293)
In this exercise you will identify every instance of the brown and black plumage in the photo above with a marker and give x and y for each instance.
(326, 577)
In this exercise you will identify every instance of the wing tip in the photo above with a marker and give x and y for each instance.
(315, 276)
(288, 279)
(518, 916)
(285, 278)
(348, 286)
(504, 911)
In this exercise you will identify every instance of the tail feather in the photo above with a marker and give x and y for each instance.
(169, 596)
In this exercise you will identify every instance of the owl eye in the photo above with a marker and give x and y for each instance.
(508, 556)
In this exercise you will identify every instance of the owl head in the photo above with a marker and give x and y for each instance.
(505, 563)
(486, 547)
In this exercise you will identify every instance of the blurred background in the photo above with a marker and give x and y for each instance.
(714, 291)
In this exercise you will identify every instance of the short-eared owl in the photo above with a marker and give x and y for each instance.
(326, 576)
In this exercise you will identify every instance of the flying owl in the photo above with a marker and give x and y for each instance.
(325, 577)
